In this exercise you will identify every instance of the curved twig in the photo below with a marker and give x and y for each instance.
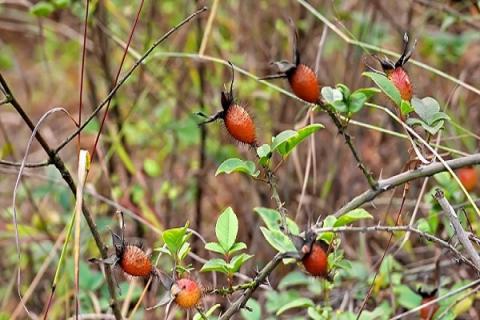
(389, 183)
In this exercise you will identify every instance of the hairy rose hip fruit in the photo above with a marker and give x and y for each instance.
(315, 260)
(129, 257)
(186, 293)
(239, 124)
(428, 312)
(237, 121)
(397, 74)
(468, 177)
(302, 78)
(135, 262)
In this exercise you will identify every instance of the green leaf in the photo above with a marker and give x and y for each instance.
(336, 97)
(207, 314)
(405, 107)
(414, 122)
(297, 303)
(175, 238)
(423, 226)
(42, 9)
(282, 137)
(278, 240)
(272, 219)
(314, 314)
(369, 92)
(238, 261)
(328, 222)
(151, 167)
(264, 151)
(215, 247)
(184, 250)
(238, 165)
(439, 116)
(286, 141)
(340, 106)
(331, 95)
(385, 85)
(406, 297)
(237, 247)
(295, 278)
(226, 229)
(344, 90)
(356, 102)
(426, 108)
(433, 130)
(254, 311)
(217, 265)
(352, 216)
(60, 4)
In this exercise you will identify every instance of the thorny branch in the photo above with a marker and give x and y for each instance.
(67, 177)
(60, 165)
(257, 281)
(126, 76)
(348, 140)
(459, 231)
(392, 182)
(383, 185)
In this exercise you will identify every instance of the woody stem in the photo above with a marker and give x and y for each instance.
(348, 140)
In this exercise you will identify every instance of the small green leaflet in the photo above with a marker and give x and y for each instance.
(237, 165)
(226, 229)
(386, 86)
(287, 140)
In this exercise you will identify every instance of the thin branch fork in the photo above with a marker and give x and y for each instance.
(67, 177)
(394, 181)
(459, 231)
(126, 76)
(348, 140)
(259, 279)
(406, 228)
(60, 165)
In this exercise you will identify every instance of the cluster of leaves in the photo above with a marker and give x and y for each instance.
(283, 144)
(226, 230)
(344, 101)
(430, 118)
(177, 246)
(46, 8)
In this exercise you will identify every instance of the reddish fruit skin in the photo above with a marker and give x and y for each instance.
(239, 124)
(135, 262)
(188, 293)
(316, 262)
(468, 177)
(401, 81)
(304, 83)
(428, 312)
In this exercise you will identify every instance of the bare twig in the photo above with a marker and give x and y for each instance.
(368, 46)
(261, 276)
(348, 140)
(82, 72)
(459, 231)
(393, 229)
(126, 76)
(390, 183)
(129, 41)
(67, 177)
(25, 165)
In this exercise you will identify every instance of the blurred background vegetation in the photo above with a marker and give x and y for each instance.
(154, 163)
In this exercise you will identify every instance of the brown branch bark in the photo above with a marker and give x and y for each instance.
(67, 177)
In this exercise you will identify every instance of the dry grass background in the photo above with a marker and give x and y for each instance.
(153, 169)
